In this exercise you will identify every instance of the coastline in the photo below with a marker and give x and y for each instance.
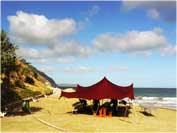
(168, 102)
(164, 102)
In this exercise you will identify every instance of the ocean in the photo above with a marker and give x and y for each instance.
(162, 97)
(155, 92)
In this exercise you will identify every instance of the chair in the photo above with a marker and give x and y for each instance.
(148, 108)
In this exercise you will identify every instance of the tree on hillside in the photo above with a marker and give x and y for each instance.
(8, 61)
(8, 55)
(8, 65)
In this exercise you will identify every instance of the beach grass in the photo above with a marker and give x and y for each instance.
(57, 112)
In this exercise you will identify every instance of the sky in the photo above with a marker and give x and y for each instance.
(81, 42)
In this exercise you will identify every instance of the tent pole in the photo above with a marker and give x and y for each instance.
(126, 108)
(91, 107)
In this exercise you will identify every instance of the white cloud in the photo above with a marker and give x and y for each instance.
(42, 61)
(132, 41)
(47, 69)
(168, 50)
(137, 42)
(34, 29)
(165, 10)
(144, 53)
(82, 24)
(118, 68)
(29, 53)
(93, 11)
(89, 14)
(64, 60)
(37, 29)
(80, 69)
(47, 61)
(153, 14)
(66, 52)
(60, 49)
(71, 48)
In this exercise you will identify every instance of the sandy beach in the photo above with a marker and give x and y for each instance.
(88, 66)
(57, 113)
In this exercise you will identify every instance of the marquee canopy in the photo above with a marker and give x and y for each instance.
(101, 90)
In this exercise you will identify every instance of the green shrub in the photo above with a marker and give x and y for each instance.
(19, 83)
(9, 97)
(23, 93)
(48, 91)
(8, 55)
(29, 80)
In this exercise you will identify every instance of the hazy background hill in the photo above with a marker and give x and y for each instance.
(65, 86)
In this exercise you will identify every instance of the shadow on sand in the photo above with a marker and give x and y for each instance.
(146, 113)
(21, 113)
(86, 110)
(121, 112)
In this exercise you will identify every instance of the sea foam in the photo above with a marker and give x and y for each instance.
(166, 102)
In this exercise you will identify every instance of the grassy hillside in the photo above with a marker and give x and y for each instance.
(24, 82)
(19, 79)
